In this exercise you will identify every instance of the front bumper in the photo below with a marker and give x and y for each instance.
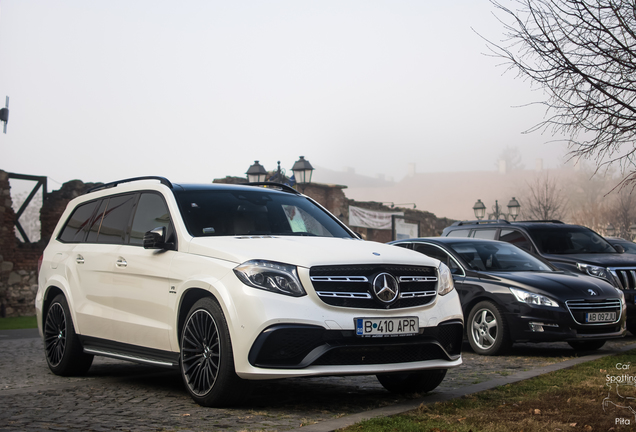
(542, 324)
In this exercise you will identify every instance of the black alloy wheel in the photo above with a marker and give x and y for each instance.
(416, 382)
(207, 362)
(488, 330)
(63, 350)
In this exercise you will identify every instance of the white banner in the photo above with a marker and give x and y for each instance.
(364, 218)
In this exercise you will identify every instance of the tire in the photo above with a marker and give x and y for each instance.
(418, 382)
(586, 345)
(207, 362)
(62, 348)
(487, 330)
(631, 327)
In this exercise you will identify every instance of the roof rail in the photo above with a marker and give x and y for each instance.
(279, 186)
(163, 181)
(544, 221)
(480, 222)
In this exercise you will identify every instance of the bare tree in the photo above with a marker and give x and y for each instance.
(544, 200)
(512, 157)
(621, 212)
(582, 54)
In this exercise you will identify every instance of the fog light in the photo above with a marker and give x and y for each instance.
(538, 326)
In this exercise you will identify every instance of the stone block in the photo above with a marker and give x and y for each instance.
(14, 278)
(6, 266)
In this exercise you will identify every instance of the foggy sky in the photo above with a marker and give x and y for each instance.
(197, 90)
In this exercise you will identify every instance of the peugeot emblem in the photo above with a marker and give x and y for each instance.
(385, 288)
(592, 292)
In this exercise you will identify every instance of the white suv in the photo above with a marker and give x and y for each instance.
(232, 283)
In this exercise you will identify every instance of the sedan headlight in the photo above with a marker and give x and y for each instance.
(533, 298)
(445, 284)
(596, 271)
(271, 276)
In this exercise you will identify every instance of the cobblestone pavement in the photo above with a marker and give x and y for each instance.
(122, 396)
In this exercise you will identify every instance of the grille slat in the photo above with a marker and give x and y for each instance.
(578, 309)
(625, 277)
(352, 285)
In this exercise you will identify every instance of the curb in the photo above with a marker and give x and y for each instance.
(431, 398)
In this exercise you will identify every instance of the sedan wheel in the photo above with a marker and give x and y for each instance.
(487, 330)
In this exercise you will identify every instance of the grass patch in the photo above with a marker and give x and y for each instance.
(14, 323)
(566, 400)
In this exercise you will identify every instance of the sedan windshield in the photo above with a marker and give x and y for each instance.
(570, 240)
(258, 213)
(497, 257)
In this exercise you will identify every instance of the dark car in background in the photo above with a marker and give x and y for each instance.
(628, 246)
(509, 295)
(570, 247)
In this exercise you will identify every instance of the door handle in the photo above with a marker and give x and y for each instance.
(121, 263)
(79, 259)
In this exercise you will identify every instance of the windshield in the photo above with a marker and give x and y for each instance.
(570, 240)
(240, 212)
(497, 257)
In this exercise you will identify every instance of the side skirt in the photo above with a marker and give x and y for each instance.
(133, 353)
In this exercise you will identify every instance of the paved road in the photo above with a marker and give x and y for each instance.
(121, 396)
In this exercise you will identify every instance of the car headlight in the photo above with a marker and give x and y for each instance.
(596, 271)
(533, 298)
(271, 276)
(445, 280)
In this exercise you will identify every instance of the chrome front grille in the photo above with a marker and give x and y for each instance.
(352, 286)
(625, 277)
(578, 309)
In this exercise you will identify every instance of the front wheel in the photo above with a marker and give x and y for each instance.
(488, 330)
(207, 362)
(586, 345)
(62, 348)
(416, 382)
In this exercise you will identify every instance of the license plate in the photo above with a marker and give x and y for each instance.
(381, 327)
(600, 317)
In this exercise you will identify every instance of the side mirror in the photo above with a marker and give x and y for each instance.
(619, 248)
(155, 239)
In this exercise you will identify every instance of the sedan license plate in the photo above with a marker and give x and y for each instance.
(382, 327)
(596, 317)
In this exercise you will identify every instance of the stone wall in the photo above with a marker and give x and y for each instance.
(19, 261)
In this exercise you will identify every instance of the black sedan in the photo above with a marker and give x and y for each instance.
(628, 246)
(509, 295)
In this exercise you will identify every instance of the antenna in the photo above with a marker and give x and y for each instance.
(4, 115)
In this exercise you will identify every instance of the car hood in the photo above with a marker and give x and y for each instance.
(306, 251)
(602, 260)
(560, 284)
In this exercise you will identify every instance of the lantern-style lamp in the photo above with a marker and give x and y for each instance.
(480, 209)
(256, 173)
(302, 171)
(513, 208)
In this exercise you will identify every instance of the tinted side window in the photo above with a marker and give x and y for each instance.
(488, 234)
(151, 213)
(115, 219)
(96, 223)
(516, 238)
(437, 253)
(78, 223)
(459, 233)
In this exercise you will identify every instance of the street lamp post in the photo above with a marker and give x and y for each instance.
(513, 210)
(302, 170)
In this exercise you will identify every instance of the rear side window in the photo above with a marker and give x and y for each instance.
(78, 223)
(488, 234)
(516, 238)
(115, 219)
(459, 233)
(151, 213)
